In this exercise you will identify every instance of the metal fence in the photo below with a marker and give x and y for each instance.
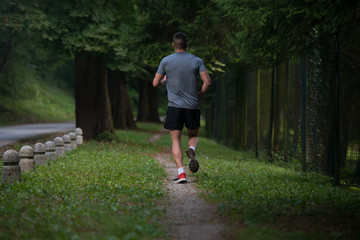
(306, 110)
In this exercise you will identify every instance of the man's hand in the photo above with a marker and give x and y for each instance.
(200, 94)
(162, 82)
(159, 80)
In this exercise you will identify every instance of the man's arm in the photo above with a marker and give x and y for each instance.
(159, 81)
(204, 75)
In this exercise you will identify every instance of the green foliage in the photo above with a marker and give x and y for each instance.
(267, 32)
(35, 83)
(42, 102)
(91, 26)
(67, 26)
(100, 191)
(148, 39)
(151, 127)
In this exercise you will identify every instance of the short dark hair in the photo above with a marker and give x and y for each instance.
(180, 40)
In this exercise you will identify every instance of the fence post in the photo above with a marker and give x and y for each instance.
(50, 151)
(27, 162)
(79, 136)
(72, 140)
(258, 113)
(286, 114)
(245, 109)
(337, 113)
(39, 151)
(303, 116)
(272, 114)
(11, 170)
(59, 147)
(67, 141)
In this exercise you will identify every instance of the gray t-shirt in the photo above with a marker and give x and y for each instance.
(181, 70)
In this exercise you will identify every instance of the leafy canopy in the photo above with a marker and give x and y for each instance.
(267, 32)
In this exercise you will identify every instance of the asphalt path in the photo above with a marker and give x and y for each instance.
(13, 134)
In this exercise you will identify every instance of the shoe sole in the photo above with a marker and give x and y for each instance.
(193, 164)
(183, 180)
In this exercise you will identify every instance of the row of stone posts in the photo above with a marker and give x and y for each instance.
(29, 157)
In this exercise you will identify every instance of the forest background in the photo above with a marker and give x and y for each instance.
(94, 61)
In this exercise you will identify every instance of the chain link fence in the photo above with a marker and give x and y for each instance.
(304, 111)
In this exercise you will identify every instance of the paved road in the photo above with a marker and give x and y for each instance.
(13, 134)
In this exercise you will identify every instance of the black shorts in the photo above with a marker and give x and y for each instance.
(176, 117)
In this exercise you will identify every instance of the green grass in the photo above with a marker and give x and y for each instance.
(43, 103)
(114, 190)
(268, 198)
(151, 127)
(99, 191)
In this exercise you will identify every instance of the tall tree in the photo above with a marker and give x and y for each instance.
(120, 102)
(91, 31)
(93, 112)
(148, 102)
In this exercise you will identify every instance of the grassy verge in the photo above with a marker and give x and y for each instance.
(275, 202)
(111, 191)
(43, 103)
(264, 201)
(100, 191)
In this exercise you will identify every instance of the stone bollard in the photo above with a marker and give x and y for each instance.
(11, 170)
(73, 140)
(50, 151)
(59, 147)
(27, 162)
(39, 154)
(67, 141)
(79, 136)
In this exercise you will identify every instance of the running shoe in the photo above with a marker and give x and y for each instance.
(180, 178)
(193, 164)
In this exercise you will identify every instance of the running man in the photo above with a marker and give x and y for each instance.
(179, 71)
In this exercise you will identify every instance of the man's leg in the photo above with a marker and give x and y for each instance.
(176, 147)
(190, 152)
(193, 137)
(177, 154)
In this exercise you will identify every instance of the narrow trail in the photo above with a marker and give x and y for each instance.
(188, 216)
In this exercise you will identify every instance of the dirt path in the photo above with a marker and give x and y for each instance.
(188, 216)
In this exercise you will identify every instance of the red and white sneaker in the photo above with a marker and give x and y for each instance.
(180, 178)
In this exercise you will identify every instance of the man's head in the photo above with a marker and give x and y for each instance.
(180, 41)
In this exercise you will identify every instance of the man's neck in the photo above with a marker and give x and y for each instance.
(180, 50)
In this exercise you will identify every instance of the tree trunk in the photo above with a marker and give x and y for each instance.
(148, 102)
(92, 102)
(272, 113)
(356, 177)
(286, 109)
(277, 112)
(258, 105)
(120, 104)
(7, 53)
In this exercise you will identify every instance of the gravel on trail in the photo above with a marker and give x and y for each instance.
(188, 216)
